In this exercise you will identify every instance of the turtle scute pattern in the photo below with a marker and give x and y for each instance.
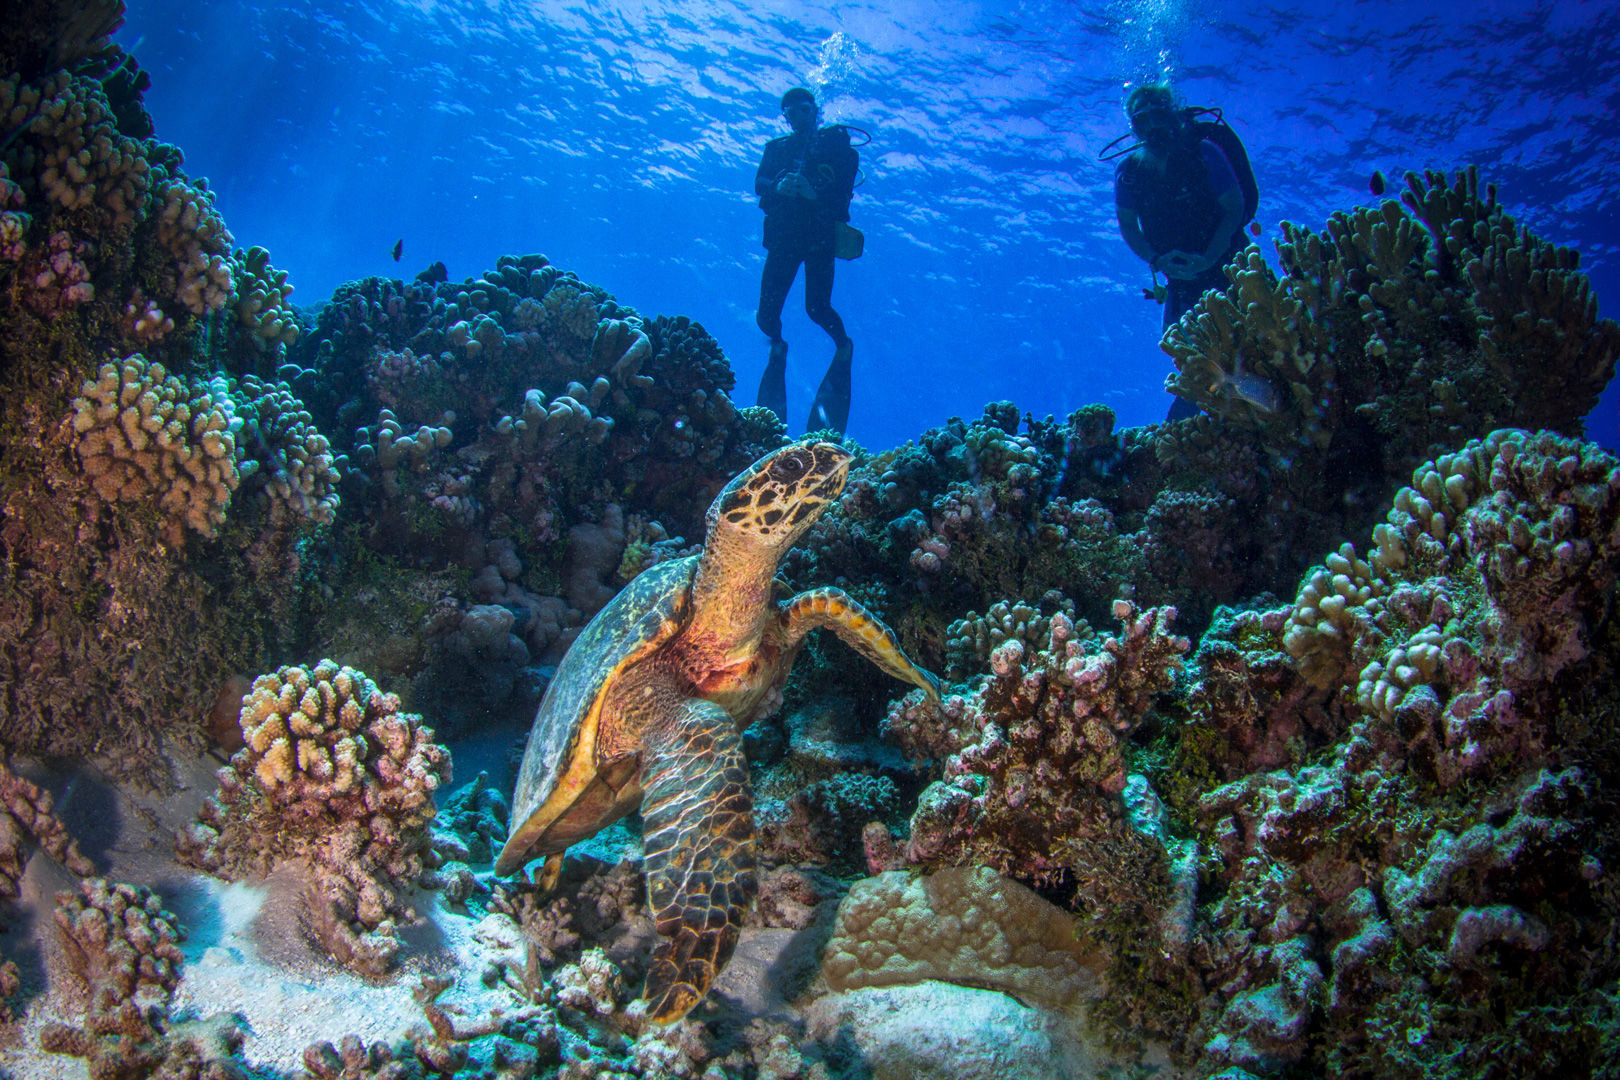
(698, 835)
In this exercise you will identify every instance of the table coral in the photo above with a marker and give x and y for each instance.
(334, 773)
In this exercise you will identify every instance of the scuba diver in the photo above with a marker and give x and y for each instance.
(804, 183)
(1183, 196)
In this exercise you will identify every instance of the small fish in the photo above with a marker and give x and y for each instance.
(1254, 228)
(1256, 391)
(1377, 182)
(399, 248)
(1245, 386)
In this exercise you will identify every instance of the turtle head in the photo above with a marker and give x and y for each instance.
(773, 501)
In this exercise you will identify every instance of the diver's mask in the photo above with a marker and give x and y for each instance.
(1155, 122)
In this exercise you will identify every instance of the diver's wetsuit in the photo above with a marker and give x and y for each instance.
(800, 230)
(1179, 209)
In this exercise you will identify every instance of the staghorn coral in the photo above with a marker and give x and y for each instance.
(333, 773)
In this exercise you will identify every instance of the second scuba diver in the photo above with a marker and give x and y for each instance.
(1182, 201)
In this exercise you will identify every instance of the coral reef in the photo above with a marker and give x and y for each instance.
(1366, 828)
(335, 774)
(964, 925)
(120, 474)
(123, 946)
(1376, 770)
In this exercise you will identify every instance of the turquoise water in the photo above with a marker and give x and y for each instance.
(621, 141)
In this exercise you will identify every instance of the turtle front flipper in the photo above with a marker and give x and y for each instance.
(698, 833)
(859, 629)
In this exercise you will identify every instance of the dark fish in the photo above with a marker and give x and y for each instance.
(1254, 228)
(1377, 182)
(399, 248)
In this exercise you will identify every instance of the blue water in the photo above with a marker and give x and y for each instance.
(621, 140)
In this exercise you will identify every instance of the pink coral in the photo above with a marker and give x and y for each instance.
(1033, 760)
(334, 773)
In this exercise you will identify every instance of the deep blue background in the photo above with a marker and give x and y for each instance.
(621, 140)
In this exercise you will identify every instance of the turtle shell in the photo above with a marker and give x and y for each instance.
(561, 795)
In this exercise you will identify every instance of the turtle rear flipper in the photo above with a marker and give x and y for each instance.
(859, 629)
(698, 833)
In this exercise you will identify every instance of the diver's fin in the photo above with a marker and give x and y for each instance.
(773, 384)
(830, 410)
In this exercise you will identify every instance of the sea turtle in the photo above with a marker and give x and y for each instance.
(647, 708)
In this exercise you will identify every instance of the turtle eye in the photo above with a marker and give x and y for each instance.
(792, 467)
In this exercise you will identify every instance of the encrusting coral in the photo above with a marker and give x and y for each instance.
(335, 774)
(965, 925)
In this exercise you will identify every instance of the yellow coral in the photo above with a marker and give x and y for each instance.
(142, 433)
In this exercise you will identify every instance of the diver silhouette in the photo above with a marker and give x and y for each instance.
(1182, 195)
(804, 183)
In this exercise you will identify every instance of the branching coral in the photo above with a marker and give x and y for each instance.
(1034, 758)
(281, 450)
(124, 947)
(259, 299)
(143, 434)
(1483, 586)
(1430, 319)
(334, 773)
(28, 815)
